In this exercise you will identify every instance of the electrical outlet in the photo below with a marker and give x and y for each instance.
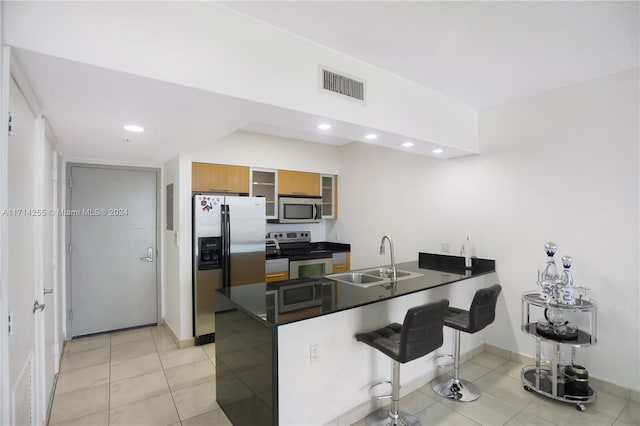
(314, 353)
(444, 247)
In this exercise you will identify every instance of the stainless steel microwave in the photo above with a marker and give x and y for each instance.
(299, 209)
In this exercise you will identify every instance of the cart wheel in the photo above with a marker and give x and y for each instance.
(527, 388)
(580, 407)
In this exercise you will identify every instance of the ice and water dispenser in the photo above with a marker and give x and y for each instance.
(210, 249)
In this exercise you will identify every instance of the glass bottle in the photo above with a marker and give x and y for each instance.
(567, 278)
(550, 271)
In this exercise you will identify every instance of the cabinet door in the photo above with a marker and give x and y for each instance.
(341, 262)
(329, 186)
(207, 177)
(264, 183)
(298, 183)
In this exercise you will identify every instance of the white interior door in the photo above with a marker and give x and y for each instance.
(22, 259)
(113, 249)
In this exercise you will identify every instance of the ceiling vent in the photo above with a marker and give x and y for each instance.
(341, 84)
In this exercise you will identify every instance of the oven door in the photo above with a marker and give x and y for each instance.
(309, 267)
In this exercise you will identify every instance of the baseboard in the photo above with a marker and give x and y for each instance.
(181, 344)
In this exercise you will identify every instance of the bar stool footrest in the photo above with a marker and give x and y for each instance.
(444, 361)
(382, 382)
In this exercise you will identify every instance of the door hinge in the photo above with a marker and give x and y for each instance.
(70, 315)
(70, 182)
(11, 123)
(54, 175)
(69, 248)
(10, 321)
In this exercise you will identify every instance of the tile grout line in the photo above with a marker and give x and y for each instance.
(164, 372)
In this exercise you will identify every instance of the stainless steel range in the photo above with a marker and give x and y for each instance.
(304, 261)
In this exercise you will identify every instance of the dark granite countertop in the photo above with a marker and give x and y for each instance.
(262, 300)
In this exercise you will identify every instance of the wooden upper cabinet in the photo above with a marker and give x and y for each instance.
(329, 186)
(206, 177)
(298, 183)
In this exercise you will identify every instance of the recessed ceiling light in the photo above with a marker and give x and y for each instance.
(371, 136)
(134, 128)
(408, 144)
(437, 151)
(324, 126)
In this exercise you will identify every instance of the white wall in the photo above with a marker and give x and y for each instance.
(213, 48)
(171, 252)
(177, 306)
(561, 166)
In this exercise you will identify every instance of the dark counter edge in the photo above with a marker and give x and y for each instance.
(481, 267)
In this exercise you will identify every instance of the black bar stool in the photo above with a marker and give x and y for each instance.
(419, 334)
(481, 314)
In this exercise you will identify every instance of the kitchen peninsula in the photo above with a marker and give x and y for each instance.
(285, 352)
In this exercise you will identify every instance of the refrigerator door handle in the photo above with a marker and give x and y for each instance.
(226, 242)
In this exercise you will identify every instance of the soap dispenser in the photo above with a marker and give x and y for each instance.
(466, 248)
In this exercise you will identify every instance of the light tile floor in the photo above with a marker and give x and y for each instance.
(136, 378)
(140, 378)
(504, 402)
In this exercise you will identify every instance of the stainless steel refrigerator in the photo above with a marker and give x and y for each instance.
(228, 250)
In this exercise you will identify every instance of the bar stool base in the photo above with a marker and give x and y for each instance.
(381, 418)
(456, 390)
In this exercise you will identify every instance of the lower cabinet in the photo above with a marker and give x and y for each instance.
(341, 262)
(276, 270)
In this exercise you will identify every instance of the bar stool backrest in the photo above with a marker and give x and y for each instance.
(422, 330)
(483, 308)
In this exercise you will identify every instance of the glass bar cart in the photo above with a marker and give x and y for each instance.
(562, 381)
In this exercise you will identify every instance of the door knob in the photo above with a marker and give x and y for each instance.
(37, 305)
(48, 290)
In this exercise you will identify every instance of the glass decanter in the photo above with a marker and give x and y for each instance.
(567, 278)
(550, 271)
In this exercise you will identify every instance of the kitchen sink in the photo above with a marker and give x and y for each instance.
(357, 278)
(371, 277)
(386, 273)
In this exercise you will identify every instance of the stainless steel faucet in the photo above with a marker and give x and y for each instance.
(393, 258)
